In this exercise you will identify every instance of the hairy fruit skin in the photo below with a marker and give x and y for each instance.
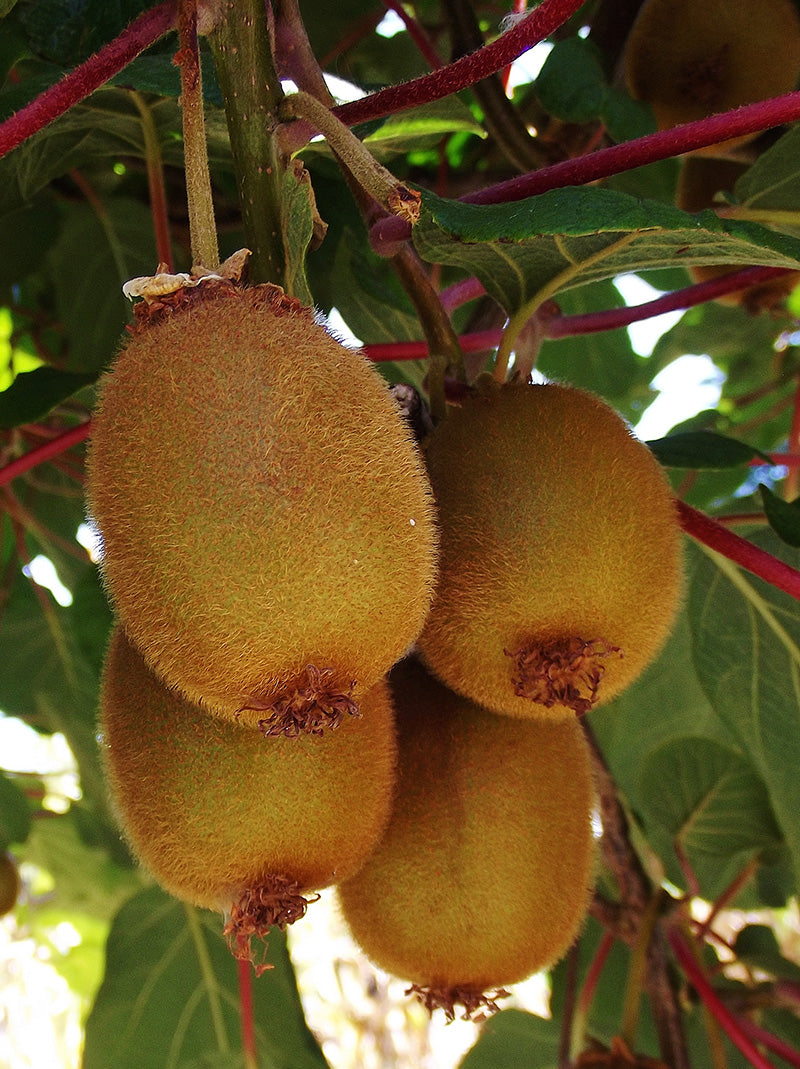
(483, 874)
(688, 60)
(560, 557)
(266, 520)
(213, 809)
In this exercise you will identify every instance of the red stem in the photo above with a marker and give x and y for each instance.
(90, 75)
(593, 973)
(560, 326)
(417, 34)
(45, 452)
(518, 8)
(464, 71)
(768, 1040)
(246, 1007)
(380, 352)
(661, 145)
(739, 550)
(712, 1001)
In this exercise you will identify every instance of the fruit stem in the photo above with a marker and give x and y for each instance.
(543, 20)
(739, 550)
(372, 176)
(90, 75)
(202, 225)
(155, 181)
(45, 452)
(252, 92)
(246, 1008)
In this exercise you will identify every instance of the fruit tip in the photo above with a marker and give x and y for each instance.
(565, 671)
(477, 1004)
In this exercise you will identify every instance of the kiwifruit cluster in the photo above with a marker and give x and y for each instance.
(267, 525)
(688, 60)
(271, 551)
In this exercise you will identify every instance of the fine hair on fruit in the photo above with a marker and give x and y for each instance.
(483, 874)
(266, 520)
(226, 819)
(560, 557)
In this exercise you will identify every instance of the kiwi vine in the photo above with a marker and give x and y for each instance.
(423, 629)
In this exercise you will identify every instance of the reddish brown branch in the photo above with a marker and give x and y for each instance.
(714, 1004)
(44, 452)
(739, 550)
(661, 145)
(465, 71)
(90, 75)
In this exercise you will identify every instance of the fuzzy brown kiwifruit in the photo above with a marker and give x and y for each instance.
(267, 524)
(560, 562)
(9, 883)
(226, 819)
(484, 872)
(701, 184)
(688, 60)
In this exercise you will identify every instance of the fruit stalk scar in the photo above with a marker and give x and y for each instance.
(315, 704)
(448, 998)
(567, 671)
(276, 903)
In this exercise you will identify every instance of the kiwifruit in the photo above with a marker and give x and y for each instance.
(483, 874)
(700, 182)
(560, 556)
(688, 60)
(9, 883)
(266, 519)
(226, 819)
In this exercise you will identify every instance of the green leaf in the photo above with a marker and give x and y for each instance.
(68, 31)
(536, 247)
(426, 125)
(111, 249)
(298, 223)
(772, 183)
(513, 1038)
(757, 946)
(704, 449)
(708, 797)
(572, 84)
(33, 393)
(747, 653)
(171, 989)
(783, 516)
(15, 813)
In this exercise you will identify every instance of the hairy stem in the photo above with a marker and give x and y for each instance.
(90, 75)
(202, 226)
(246, 1010)
(739, 550)
(252, 92)
(661, 145)
(372, 176)
(541, 22)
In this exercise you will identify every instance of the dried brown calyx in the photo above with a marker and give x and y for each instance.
(477, 1004)
(566, 671)
(275, 903)
(315, 704)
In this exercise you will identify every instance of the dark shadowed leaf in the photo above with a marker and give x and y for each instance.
(704, 449)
